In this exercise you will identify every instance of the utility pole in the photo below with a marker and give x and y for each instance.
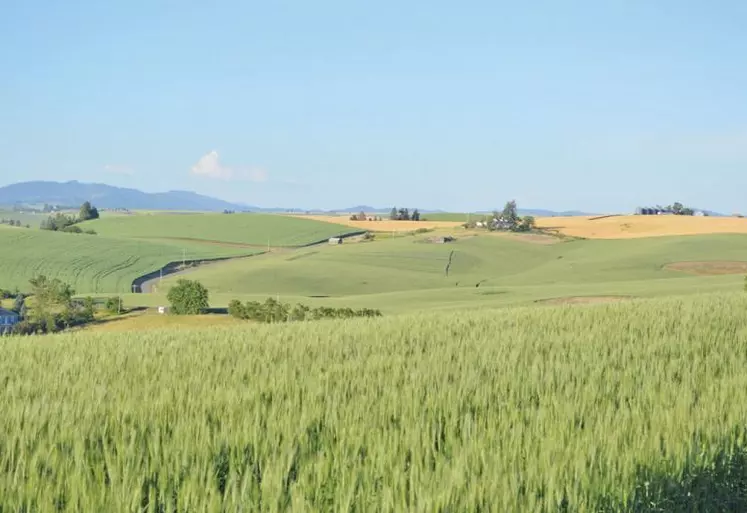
(184, 257)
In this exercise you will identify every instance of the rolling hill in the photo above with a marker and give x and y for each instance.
(238, 229)
(409, 274)
(91, 264)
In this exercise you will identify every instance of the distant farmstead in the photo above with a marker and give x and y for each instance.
(335, 240)
(8, 319)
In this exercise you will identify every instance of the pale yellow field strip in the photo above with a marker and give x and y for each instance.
(631, 227)
(382, 226)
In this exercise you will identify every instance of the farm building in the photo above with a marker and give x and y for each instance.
(442, 240)
(335, 240)
(8, 319)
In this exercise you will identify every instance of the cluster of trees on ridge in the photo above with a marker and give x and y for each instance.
(677, 209)
(65, 223)
(506, 220)
(404, 214)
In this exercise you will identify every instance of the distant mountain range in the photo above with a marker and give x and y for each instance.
(108, 197)
(74, 193)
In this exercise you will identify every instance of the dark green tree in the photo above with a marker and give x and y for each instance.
(188, 297)
(394, 215)
(510, 215)
(88, 212)
(415, 215)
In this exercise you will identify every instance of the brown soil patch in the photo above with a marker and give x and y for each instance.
(708, 268)
(583, 300)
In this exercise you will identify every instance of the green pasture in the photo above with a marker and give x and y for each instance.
(91, 263)
(247, 229)
(409, 273)
(635, 407)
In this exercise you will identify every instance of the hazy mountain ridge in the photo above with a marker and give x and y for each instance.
(74, 193)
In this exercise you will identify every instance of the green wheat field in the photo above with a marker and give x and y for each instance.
(636, 406)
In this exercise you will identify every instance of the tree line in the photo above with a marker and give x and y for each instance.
(189, 297)
(403, 214)
(677, 209)
(12, 222)
(274, 311)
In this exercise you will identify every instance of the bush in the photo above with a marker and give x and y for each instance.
(113, 304)
(527, 224)
(72, 229)
(188, 298)
(236, 309)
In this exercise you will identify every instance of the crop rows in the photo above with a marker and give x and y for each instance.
(89, 263)
(629, 407)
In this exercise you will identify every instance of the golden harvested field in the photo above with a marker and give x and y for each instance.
(631, 227)
(383, 226)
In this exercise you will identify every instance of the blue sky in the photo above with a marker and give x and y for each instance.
(598, 106)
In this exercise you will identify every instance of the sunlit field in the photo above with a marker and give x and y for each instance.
(635, 406)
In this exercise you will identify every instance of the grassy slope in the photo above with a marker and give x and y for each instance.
(250, 229)
(406, 274)
(627, 407)
(90, 263)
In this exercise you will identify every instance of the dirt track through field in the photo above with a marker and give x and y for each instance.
(583, 300)
(714, 268)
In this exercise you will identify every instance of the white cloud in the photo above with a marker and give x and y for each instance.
(210, 166)
(116, 169)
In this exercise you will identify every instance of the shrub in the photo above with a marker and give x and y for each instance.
(236, 309)
(72, 229)
(113, 304)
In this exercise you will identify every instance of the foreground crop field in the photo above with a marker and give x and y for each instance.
(637, 406)
(90, 263)
(632, 227)
(232, 229)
